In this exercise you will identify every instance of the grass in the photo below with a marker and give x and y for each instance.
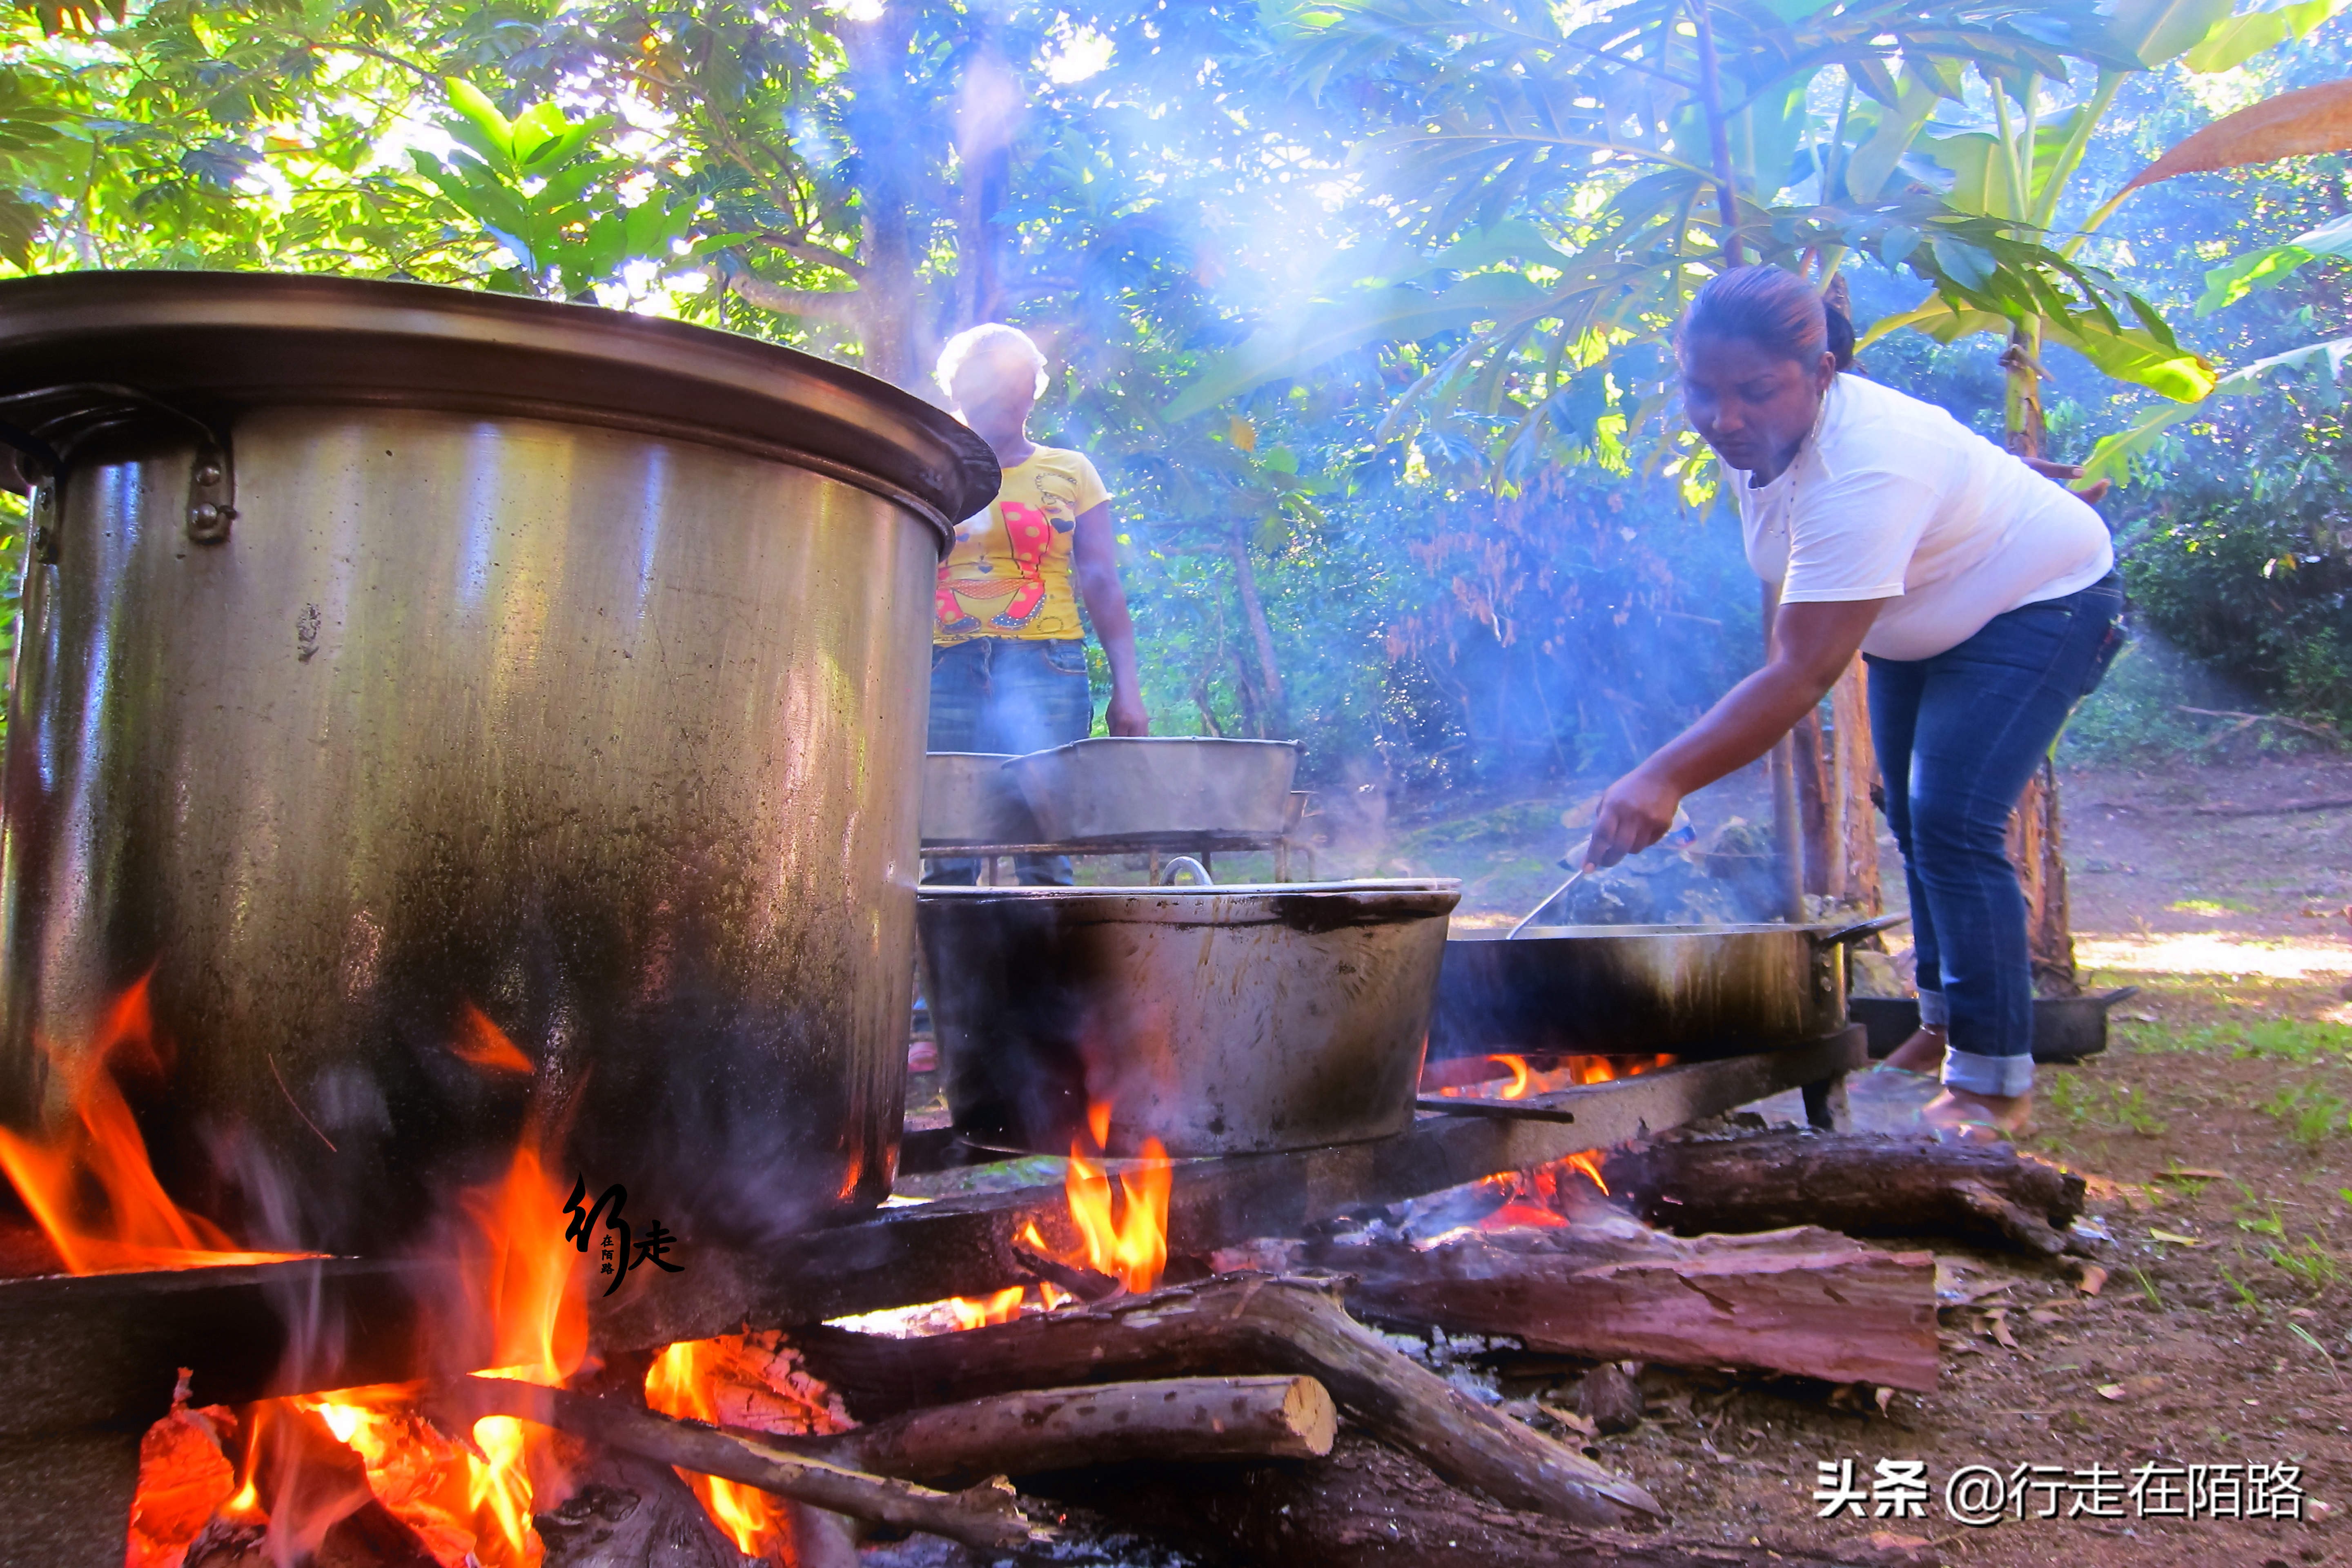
(2312, 1266)
(2310, 1114)
(2103, 1108)
(2212, 907)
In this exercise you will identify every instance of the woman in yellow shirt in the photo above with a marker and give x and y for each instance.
(1008, 651)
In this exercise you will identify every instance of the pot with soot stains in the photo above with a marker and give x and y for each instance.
(1220, 1020)
(1691, 991)
(404, 667)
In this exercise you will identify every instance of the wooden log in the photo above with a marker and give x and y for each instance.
(1181, 1419)
(1806, 1301)
(1859, 1184)
(1232, 1323)
(321, 1506)
(982, 1517)
(627, 1512)
(1370, 1507)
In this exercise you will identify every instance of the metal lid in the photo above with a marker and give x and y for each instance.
(210, 344)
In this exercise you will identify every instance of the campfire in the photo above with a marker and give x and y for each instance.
(752, 1439)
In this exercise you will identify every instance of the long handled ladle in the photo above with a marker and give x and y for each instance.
(1680, 832)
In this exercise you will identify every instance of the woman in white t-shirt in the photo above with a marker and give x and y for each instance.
(1981, 594)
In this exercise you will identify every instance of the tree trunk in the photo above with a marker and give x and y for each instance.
(1275, 721)
(887, 296)
(2037, 843)
(1853, 770)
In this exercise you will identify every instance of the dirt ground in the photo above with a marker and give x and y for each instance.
(2216, 1134)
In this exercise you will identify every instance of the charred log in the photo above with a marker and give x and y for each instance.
(1232, 1323)
(1805, 1300)
(1860, 1185)
(986, 1517)
(627, 1512)
(1370, 1507)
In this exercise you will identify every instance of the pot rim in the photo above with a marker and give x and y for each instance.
(207, 346)
(1538, 934)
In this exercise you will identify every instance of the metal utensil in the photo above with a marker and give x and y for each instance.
(1679, 832)
(1688, 989)
(1226, 1020)
(537, 669)
(1112, 786)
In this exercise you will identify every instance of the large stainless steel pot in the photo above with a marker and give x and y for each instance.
(1117, 787)
(393, 651)
(1692, 991)
(1219, 1020)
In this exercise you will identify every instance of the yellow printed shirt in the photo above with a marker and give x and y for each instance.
(1009, 573)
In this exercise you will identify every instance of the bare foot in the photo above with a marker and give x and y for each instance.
(1923, 1052)
(1984, 1116)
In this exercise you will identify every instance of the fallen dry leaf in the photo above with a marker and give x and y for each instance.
(1997, 1325)
(2173, 1236)
(2192, 1173)
(2111, 1391)
(2093, 1278)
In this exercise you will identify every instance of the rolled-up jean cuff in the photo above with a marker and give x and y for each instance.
(1934, 1011)
(2002, 1076)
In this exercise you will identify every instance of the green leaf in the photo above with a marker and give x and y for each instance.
(491, 135)
(2243, 37)
(2227, 284)
(2119, 456)
(2135, 355)
(2156, 31)
(20, 226)
(535, 131)
(1866, 172)
(1969, 266)
(1514, 239)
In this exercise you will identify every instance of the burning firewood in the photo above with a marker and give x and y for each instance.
(1804, 1301)
(986, 1517)
(300, 1471)
(1233, 1323)
(627, 1512)
(1860, 1185)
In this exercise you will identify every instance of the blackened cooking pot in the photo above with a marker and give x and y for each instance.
(1687, 990)
(1220, 1020)
(402, 664)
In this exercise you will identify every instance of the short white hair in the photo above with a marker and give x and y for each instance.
(986, 337)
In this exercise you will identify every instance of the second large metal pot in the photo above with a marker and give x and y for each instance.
(1690, 990)
(403, 668)
(1218, 1020)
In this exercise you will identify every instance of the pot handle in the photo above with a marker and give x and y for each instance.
(82, 407)
(1838, 936)
(1186, 864)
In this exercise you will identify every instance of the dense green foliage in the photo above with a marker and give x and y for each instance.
(1358, 306)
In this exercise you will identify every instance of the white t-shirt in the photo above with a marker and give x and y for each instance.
(1890, 498)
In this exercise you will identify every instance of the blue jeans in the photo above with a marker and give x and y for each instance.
(1009, 694)
(1959, 736)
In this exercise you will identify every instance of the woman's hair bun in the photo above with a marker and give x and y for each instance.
(1776, 310)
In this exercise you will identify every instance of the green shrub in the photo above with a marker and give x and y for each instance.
(2257, 587)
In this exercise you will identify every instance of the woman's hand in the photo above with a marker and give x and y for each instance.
(1635, 813)
(1125, 715)
(2065, 472)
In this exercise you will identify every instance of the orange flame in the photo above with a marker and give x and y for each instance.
(1128, 1243)
(679, 1384)
(1522, 1080)
(134, 1224)
(1587, 1162)
(1001, 1307)
(1099, 1122)
(485, 1045)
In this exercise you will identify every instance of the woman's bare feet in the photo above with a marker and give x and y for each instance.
(1982, 1116)
(1923, 1052)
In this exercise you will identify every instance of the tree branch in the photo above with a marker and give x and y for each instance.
(839, 306)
